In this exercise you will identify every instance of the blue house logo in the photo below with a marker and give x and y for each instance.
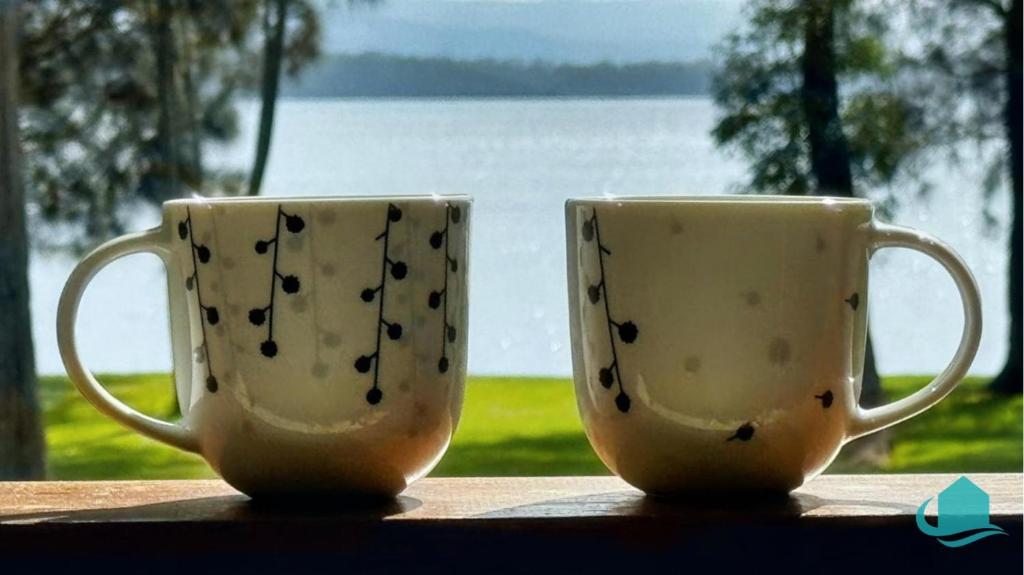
(963, 515)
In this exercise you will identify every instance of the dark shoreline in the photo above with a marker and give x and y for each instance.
(374, 75)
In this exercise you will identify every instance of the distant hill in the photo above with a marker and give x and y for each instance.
(569, 31)
(381, 75)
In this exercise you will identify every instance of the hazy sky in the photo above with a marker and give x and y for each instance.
(559, 30)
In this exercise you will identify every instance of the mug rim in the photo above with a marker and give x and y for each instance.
(724, 199)
(201, 200)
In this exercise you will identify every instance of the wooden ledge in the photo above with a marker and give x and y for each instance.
(571, 521)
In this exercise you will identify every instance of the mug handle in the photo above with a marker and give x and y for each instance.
(151, 241)
(865, 421)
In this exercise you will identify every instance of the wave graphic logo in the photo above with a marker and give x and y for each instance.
(963, 515)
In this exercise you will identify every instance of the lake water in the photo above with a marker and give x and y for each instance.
(520, 159)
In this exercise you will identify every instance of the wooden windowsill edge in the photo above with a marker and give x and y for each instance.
(453, 500)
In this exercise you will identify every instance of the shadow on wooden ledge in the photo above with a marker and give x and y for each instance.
(496, 525)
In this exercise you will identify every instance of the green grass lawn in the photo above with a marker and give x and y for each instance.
(517, 426)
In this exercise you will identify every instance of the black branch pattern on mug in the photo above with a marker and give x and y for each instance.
(826, 399)
(744, 432)
(208, 314)
(399, 270)
(627, 330)
(289, 283)
(439, 299)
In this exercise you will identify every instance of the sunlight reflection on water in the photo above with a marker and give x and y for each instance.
(521, 159)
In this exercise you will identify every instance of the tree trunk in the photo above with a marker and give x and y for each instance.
(272, 56)
(22, 447)
(167, 162)
(192, 169)
(829, 149)
(1009, 379)
(830, 154)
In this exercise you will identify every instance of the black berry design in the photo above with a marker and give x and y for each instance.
(439, 299)
(398, 271)
(627, 331)
(744, 433)
(208, 314)
(853, 300)
(289, 283)
(826, 399)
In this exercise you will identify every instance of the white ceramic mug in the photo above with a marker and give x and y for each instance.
(319, 344)
(718, 342)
